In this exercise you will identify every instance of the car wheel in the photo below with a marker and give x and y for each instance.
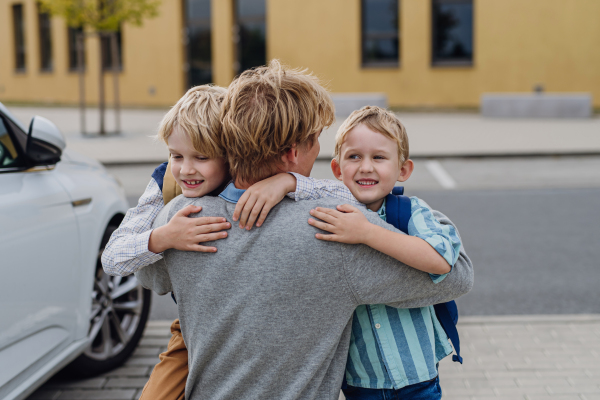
(120, 309)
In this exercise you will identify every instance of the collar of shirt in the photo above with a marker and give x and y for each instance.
(381, 211)
(231, 193)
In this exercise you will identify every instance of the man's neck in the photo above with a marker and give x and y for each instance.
(239, 184)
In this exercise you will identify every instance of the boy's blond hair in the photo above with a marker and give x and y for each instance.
(376, 119)
(268, 110)
(198, 115)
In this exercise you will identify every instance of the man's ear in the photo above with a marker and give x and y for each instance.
(406, 170)
(336, 169)
(290, 157)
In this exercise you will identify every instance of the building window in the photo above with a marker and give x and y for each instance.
(380, 33)
(72, 42)
(452, 32)
(199, 49)
(19, 36)
(250, 16)
(45, 40)
(107, 58)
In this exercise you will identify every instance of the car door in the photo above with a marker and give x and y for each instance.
(38, 257)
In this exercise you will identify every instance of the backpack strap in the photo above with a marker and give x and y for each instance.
(398, 209)
(159, 174)
(170, 188)
(447, 314)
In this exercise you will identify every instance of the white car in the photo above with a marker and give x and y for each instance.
(57, 307)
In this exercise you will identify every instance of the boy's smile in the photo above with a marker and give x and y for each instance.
(369, 166)
(196, 174)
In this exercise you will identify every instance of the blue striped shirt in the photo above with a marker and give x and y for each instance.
(391, 348)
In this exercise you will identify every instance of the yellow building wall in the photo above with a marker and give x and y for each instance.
(517, 44)
(153, 56)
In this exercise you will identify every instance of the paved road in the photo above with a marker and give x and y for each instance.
(527, 358)
(530, 226)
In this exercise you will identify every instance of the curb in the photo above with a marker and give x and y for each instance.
(126, 163)
(529, 319)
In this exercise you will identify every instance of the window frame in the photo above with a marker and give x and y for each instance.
(19, 50)
(242, 21)
(189, 25)
(45, 48)
(378, 64)
(106, 51)
(446, 62)
(70, 50)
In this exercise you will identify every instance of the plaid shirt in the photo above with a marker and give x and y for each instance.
(127, 250)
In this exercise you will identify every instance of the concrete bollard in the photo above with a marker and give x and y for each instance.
(345, 103)
(536, 105)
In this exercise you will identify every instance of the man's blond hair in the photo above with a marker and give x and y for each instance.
(376, 119)
(198, 115)
(268, 110)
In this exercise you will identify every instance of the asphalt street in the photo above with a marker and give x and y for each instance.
(530, 226)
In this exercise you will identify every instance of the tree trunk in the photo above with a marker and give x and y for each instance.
(101, 86)
(80, 72)
(115, 71)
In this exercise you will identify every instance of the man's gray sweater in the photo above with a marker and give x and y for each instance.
(269, 315)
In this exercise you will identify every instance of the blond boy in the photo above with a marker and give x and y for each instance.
(192, 131)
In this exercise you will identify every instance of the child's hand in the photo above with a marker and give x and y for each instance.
(346, 224)
(261, 197)
(185, 233)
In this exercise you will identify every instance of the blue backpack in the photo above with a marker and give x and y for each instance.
(398, 210)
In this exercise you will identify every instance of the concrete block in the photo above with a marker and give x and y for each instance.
(345, 103)
(128, 372)
(536, 105)
(119, 394)
(126, 383)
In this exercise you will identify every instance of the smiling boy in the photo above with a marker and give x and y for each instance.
(393, 352)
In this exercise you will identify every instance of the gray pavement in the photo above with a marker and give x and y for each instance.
(505, 358)
(431, 134)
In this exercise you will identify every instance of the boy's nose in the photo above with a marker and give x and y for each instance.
(187, 168)
(366, 166)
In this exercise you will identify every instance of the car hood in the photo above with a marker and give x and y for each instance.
(73, 157)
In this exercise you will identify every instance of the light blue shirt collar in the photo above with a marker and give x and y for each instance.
(381, 212)
(231, 193)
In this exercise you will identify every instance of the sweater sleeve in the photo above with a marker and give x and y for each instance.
(376, 278)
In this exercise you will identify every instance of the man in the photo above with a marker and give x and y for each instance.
(269, 315)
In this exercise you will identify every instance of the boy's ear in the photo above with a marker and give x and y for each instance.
(336, 169)
(406, 170)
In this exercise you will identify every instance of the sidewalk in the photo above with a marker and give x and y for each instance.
(505, 358)
(431, 135)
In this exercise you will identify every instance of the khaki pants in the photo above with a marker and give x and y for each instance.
(167, 381)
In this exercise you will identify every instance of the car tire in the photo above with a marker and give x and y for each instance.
(120, 310)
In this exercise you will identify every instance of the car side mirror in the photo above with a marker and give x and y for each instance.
(45, 142)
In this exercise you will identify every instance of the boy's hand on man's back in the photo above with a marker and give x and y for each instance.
(185, 233)
(346, 224)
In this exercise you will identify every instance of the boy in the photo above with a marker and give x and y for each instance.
(393, 352)
(191, 129)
